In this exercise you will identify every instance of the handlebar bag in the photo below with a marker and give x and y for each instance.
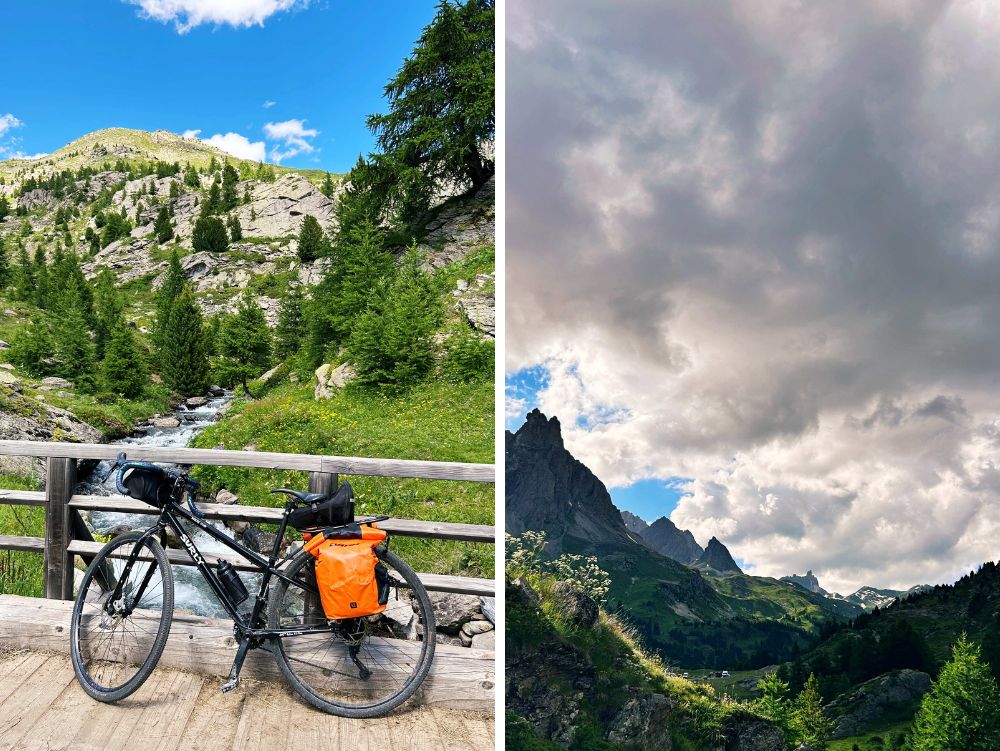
(352, 582)
(146, 483)
(333, 512)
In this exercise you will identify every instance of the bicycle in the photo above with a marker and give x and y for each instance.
(355, 667)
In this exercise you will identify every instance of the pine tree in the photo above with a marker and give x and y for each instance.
(24, 277)
(173, 282)
(244, 344)
(391, 341)
(290, 331)
(809, 721)
(327, 187)
(209, 235)
(123, 369)
(163, 228)
(4, 207)
(213, 204)
(774, 704)
(41, 292)
(185, 362)
(109, 310)
(230, 198)
(175, 189)
(359, 262)
(74, 349)
(5, 273)
(312, 241)
(33, 348)
(962, 709)
(191, 178)
(235, 229)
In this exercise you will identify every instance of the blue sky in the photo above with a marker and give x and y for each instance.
(77, 67)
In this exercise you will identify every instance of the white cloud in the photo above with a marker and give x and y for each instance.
(293, 136)
(187, 14)
(232, 143)
(8, 122)
(22, 155)
(739, 267)
(268, 104)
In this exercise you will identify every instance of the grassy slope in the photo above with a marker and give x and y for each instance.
(697, 621)
(21, 573)
(622, 669)
(433, 421)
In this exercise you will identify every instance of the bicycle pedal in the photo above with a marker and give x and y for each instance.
(230, 685)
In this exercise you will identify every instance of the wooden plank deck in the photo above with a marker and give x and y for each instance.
(42, 707)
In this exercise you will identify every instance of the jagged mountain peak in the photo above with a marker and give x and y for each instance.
(549, 489)
(635, 524)
(808, 582)
(718, 557)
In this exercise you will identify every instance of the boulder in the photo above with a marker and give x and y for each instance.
(893, 693)
(452, 611)
(575, 607)
(277, 209)
(474, 627)
(55, 382)
(216, 390)
(9, 379)
(226, 497)
(193, 402)
(748, 733)
(4, 345)
(165, 422)
(269, 375)
(643, 723)
(329, 379)
(486, 641)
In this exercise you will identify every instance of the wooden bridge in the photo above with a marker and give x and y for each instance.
(34, 632)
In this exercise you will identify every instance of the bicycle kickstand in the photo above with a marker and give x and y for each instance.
(234, 672)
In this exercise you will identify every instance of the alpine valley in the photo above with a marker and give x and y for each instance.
(673, 607)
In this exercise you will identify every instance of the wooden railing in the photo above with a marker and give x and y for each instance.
(66, 535)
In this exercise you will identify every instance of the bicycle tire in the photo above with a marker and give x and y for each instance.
(104, 562)
(386, 704)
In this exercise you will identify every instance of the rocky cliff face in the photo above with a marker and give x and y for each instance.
(718, 558)
(548, 489)
(808, 582)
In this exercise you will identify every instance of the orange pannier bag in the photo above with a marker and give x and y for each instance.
(352, 581)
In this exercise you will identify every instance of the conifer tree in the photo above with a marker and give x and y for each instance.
(185, 363)
(774, 703)
(213, 204)
(391, 341)
(24, 278)
(175, 189)
(235, 229)
(33, 348)
(327, 188)
(4, 207)
(230, 198)
(289, 333)
(41, 292)
(312, 241)
(163, 228)
(109, 310)
(74, 349)
(5, 273)
(359, 261)
(123, 369)
(962, 709)
(173, 282)
(809, 722)
(209, 235)
(244, 344)
(191, 178)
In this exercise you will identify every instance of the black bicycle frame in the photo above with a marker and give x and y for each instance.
(245, 627)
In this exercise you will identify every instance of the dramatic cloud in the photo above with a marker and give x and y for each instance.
(758, 245)
(293, 136)
(233, 143)
(186, 14)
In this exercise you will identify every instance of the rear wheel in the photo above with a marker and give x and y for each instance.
(115, 644)
(361, 667)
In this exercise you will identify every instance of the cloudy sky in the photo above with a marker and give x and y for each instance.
(753, 252)
(289, 81)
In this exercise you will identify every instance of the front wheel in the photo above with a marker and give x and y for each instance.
(115, 642)
(362, 667)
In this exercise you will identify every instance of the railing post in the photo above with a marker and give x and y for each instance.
(323, 482)
(59, 484)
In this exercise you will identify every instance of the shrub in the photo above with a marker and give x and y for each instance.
(209, 235)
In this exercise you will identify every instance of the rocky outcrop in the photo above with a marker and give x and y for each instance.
(277, 209)
(462, 226)
(34, 199)
(809, 582)
(477, 304)
(749, 733)
(891, 693)
(24, 419)
(573, 606)
(329, 379)
(644, 723)
(718, 558)
(548, 489)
